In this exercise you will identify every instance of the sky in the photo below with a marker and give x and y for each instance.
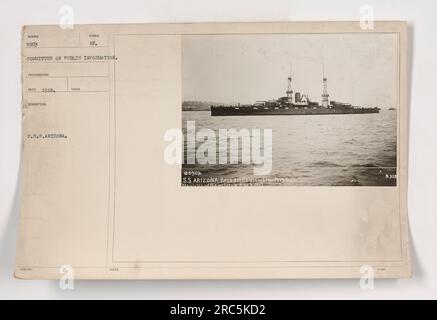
(361, 68)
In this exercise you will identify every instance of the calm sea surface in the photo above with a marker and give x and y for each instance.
(312, 150)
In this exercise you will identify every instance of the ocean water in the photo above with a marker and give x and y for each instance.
(308, 150)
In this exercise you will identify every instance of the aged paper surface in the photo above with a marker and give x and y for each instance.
(101, 104)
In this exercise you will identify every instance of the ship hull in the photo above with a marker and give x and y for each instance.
(250, 111)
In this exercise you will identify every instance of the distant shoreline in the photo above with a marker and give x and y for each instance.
(190, 105)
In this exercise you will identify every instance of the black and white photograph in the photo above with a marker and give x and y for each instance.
(218, 158)
(290, 109)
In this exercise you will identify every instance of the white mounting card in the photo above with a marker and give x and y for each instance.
(214, 151)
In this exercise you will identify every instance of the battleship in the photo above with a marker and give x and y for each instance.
(294, 103)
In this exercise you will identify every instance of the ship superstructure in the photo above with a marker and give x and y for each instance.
(293, 103)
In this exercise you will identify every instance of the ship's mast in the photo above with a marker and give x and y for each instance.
(289, 89)
(325, 94)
